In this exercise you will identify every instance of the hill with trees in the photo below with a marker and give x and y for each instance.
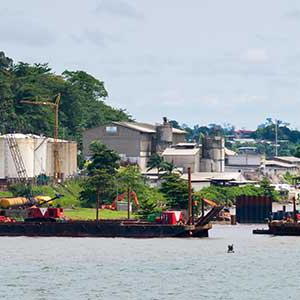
(82, 100)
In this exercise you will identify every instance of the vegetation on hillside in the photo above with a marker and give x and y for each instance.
(264, 136)
(82, 100)
(70, 191)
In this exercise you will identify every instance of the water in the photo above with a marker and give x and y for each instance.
(262, 267)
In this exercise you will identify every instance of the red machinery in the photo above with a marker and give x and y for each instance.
(122, 197)
(4, 219)
(43, 214)
(171, 217)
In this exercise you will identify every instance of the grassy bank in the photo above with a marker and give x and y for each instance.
(90, 214)
(5, 194)
(70, 190)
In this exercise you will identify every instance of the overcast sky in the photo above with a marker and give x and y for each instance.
(196, 61)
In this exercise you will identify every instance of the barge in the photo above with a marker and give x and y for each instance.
(289, 225)
(102, 228)
(280, 228)
(51, 222)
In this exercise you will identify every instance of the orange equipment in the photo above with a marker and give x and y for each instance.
(121, 197)
(210, 202)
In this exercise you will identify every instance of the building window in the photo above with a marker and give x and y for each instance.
(111, 129)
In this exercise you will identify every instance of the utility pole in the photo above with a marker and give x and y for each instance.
(276, 137)
(55, 106)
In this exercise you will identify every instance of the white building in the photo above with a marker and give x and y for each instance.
(288, 160)
(200, 180)
(183, 158)
(273, 168)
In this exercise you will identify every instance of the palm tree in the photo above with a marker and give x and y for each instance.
(166, 166)
(155, 162)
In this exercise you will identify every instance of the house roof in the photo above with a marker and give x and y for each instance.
(280, 164)
(145, 127)
(208, 176)
(229, 152)
(175, 151)
(288, 159)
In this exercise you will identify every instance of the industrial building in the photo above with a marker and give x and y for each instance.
(35, 156)
(247, 161)
(201, 180)
(183, 156)
(134, 141)
(292, 160)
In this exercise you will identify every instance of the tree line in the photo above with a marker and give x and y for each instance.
(82, 100)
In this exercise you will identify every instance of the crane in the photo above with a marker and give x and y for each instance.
(55, 106)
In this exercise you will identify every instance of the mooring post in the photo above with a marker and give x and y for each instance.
(128, 203)
(190, 204)
(295, 209)
(97, 206)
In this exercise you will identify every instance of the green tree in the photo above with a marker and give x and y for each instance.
(101, 173)
(154, 162)
(103, 158)
(175, 191)
(82, 101)
(297, 151)
(157, 162)
(130, 179)
(167, 167)
(268, 190)
(151, 201)
(99, 184)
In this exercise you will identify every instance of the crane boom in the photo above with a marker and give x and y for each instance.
(55, 106)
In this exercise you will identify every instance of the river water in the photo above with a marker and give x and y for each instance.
(262, 267)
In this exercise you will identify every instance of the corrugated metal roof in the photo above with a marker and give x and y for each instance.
(208, 176)
(174, 151)
(290, 159)
(279, 164)
(229, 152)
(136, 126)
(145, 127)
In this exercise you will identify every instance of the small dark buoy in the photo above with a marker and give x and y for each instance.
(230, 249)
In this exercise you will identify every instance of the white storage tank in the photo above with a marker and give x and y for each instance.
(37, 155)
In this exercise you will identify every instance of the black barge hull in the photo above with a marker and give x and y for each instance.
(102, 228)
(280, 228)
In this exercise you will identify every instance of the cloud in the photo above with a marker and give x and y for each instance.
(293, 15)
(95, 37)
(255, 56)
(26, 33)
(118, 8)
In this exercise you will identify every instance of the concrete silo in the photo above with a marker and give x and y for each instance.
(164, 136)
(213, 154)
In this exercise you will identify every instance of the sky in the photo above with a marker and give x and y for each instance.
(195, 61)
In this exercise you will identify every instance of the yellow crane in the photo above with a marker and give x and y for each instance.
(54, 105)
